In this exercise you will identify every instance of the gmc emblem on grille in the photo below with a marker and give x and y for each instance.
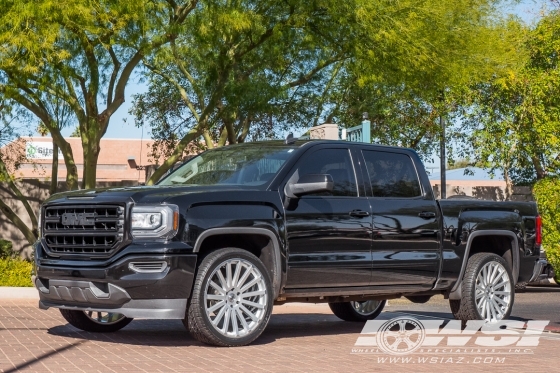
(78, 219)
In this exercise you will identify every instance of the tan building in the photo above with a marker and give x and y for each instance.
(114, 163)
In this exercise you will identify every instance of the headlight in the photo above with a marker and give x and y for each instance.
(155, 221)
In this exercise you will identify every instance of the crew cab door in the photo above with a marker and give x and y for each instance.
(329, 234)
(405, 248)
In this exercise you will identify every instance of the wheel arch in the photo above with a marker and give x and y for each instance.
(484, 237)
(259, 241)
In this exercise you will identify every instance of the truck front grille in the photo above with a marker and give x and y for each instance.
(83, 230)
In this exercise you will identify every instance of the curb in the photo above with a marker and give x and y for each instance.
(7, 292)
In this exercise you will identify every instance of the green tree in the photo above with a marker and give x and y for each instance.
(443, 48)
(61, 115)
(515, 119)
(84, 53)
(263, 68)
(233, 68)
(10, 158)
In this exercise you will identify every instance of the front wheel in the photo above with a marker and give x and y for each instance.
(95, 321)
(487, 290)
(358, 311)
(232, 299)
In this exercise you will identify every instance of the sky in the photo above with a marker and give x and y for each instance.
(122, 124)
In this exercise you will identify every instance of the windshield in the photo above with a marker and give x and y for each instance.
(252, 165)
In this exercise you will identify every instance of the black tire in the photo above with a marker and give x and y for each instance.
(199, 323)
(465, 308)
(347, 312)
(81, 321)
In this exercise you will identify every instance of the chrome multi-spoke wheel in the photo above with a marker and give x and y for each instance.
(232, 298)
(235, 298)
(487, 290)
(358, 310)
(96, 321)
(493, 292)
(367, 307)
(105, 318)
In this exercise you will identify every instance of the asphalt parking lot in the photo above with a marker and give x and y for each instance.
(299, 337)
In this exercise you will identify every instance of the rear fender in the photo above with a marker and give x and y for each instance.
(456, 290)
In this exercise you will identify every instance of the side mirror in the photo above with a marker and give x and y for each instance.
(310, 184)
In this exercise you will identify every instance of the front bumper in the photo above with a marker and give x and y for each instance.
(132, 285)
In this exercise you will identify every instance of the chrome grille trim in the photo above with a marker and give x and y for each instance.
(83, 230)
(148, 267)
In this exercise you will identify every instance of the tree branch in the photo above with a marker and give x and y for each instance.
(183, 69)
(176, 155)
(114, 74)
(182, 92)
(19, 195)
(307, 77)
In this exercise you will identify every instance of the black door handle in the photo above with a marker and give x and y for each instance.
(427, 215)
(359, 213)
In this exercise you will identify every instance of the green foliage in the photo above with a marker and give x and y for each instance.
(515, 118)
(15, 272)
(252, 69)
(442, 49)
(547, 195)
(75, 132)
(6, 249)
(81, 53)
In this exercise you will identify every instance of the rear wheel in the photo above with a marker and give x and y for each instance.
(487, 290)
(232, 299)
(358, 311)
(96, 321)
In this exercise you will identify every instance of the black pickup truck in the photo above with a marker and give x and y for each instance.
(239, 229)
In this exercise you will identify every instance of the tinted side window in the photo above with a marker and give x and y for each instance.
(335, 162)
(392, 174)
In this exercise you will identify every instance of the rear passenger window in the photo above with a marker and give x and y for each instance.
(391, 174)
(338, 164)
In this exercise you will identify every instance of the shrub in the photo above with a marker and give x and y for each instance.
(547, 195)
(6, 249)
(15, 272)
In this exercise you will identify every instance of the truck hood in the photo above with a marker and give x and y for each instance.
(143, 194)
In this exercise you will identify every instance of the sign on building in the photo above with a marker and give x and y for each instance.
(39, 150)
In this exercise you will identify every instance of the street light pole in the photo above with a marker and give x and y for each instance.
(443, 185)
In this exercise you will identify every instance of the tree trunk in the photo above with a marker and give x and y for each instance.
(54, 173)
(91, 155)
(68, 155)
(177, 154)
(509, 184)
(541, 173)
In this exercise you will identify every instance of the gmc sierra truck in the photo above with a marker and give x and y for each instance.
(238, 229)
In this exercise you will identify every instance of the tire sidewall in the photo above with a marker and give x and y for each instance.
(488, 259)
(203, 277)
